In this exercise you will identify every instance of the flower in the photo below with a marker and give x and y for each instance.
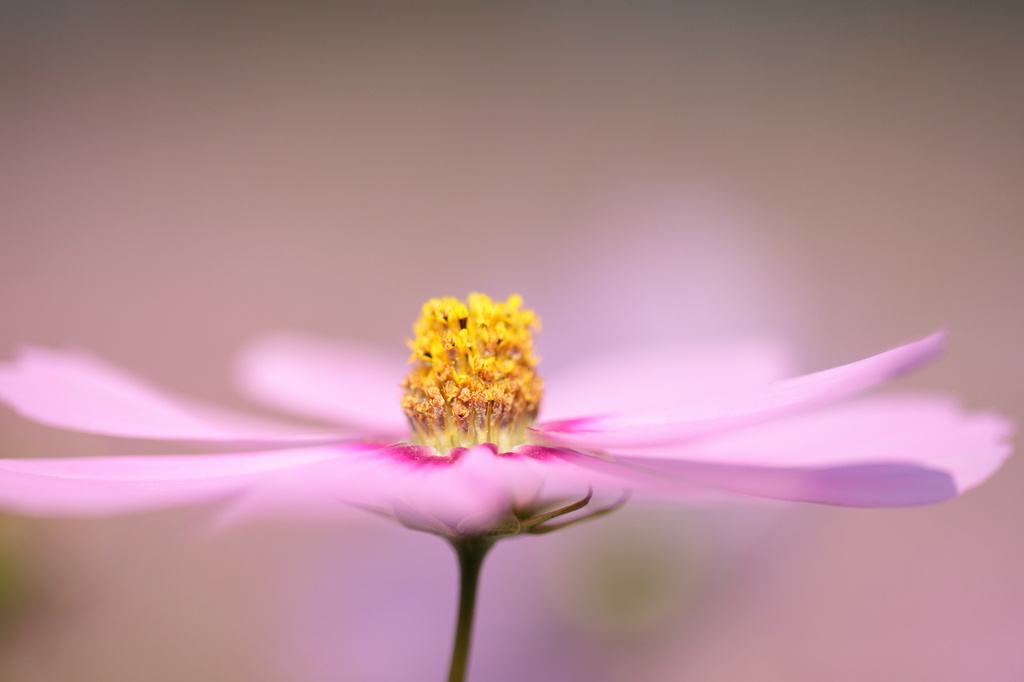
(460, 453)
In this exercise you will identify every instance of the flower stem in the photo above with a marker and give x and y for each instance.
(471, 552)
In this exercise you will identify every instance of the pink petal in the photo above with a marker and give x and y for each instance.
(881, 452)
(110, 485)
(341, 383)
(652, 428)
(471, 488)
(858, 485)
(657, 377)
(473, 492)
(76, 391)
(467, 491)
(463, 492)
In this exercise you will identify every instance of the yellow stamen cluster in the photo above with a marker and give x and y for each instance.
(473, 379)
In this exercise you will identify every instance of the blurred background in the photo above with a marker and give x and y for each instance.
(176, 178)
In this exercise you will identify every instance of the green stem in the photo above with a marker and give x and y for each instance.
(471, 552)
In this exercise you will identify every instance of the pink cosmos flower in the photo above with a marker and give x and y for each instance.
(461, 458)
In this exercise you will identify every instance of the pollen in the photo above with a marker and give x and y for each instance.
(474, 376)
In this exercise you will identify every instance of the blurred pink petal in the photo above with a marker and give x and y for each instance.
(76, 391)
(341, 383)
(673, 425)
(891, 451)
(470, 489)
(111, 485)
(612, 383)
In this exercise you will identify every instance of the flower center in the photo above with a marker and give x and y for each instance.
(473, 378)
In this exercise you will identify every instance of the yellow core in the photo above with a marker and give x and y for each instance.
(473, 379)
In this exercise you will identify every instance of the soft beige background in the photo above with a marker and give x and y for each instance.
(174, 180)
